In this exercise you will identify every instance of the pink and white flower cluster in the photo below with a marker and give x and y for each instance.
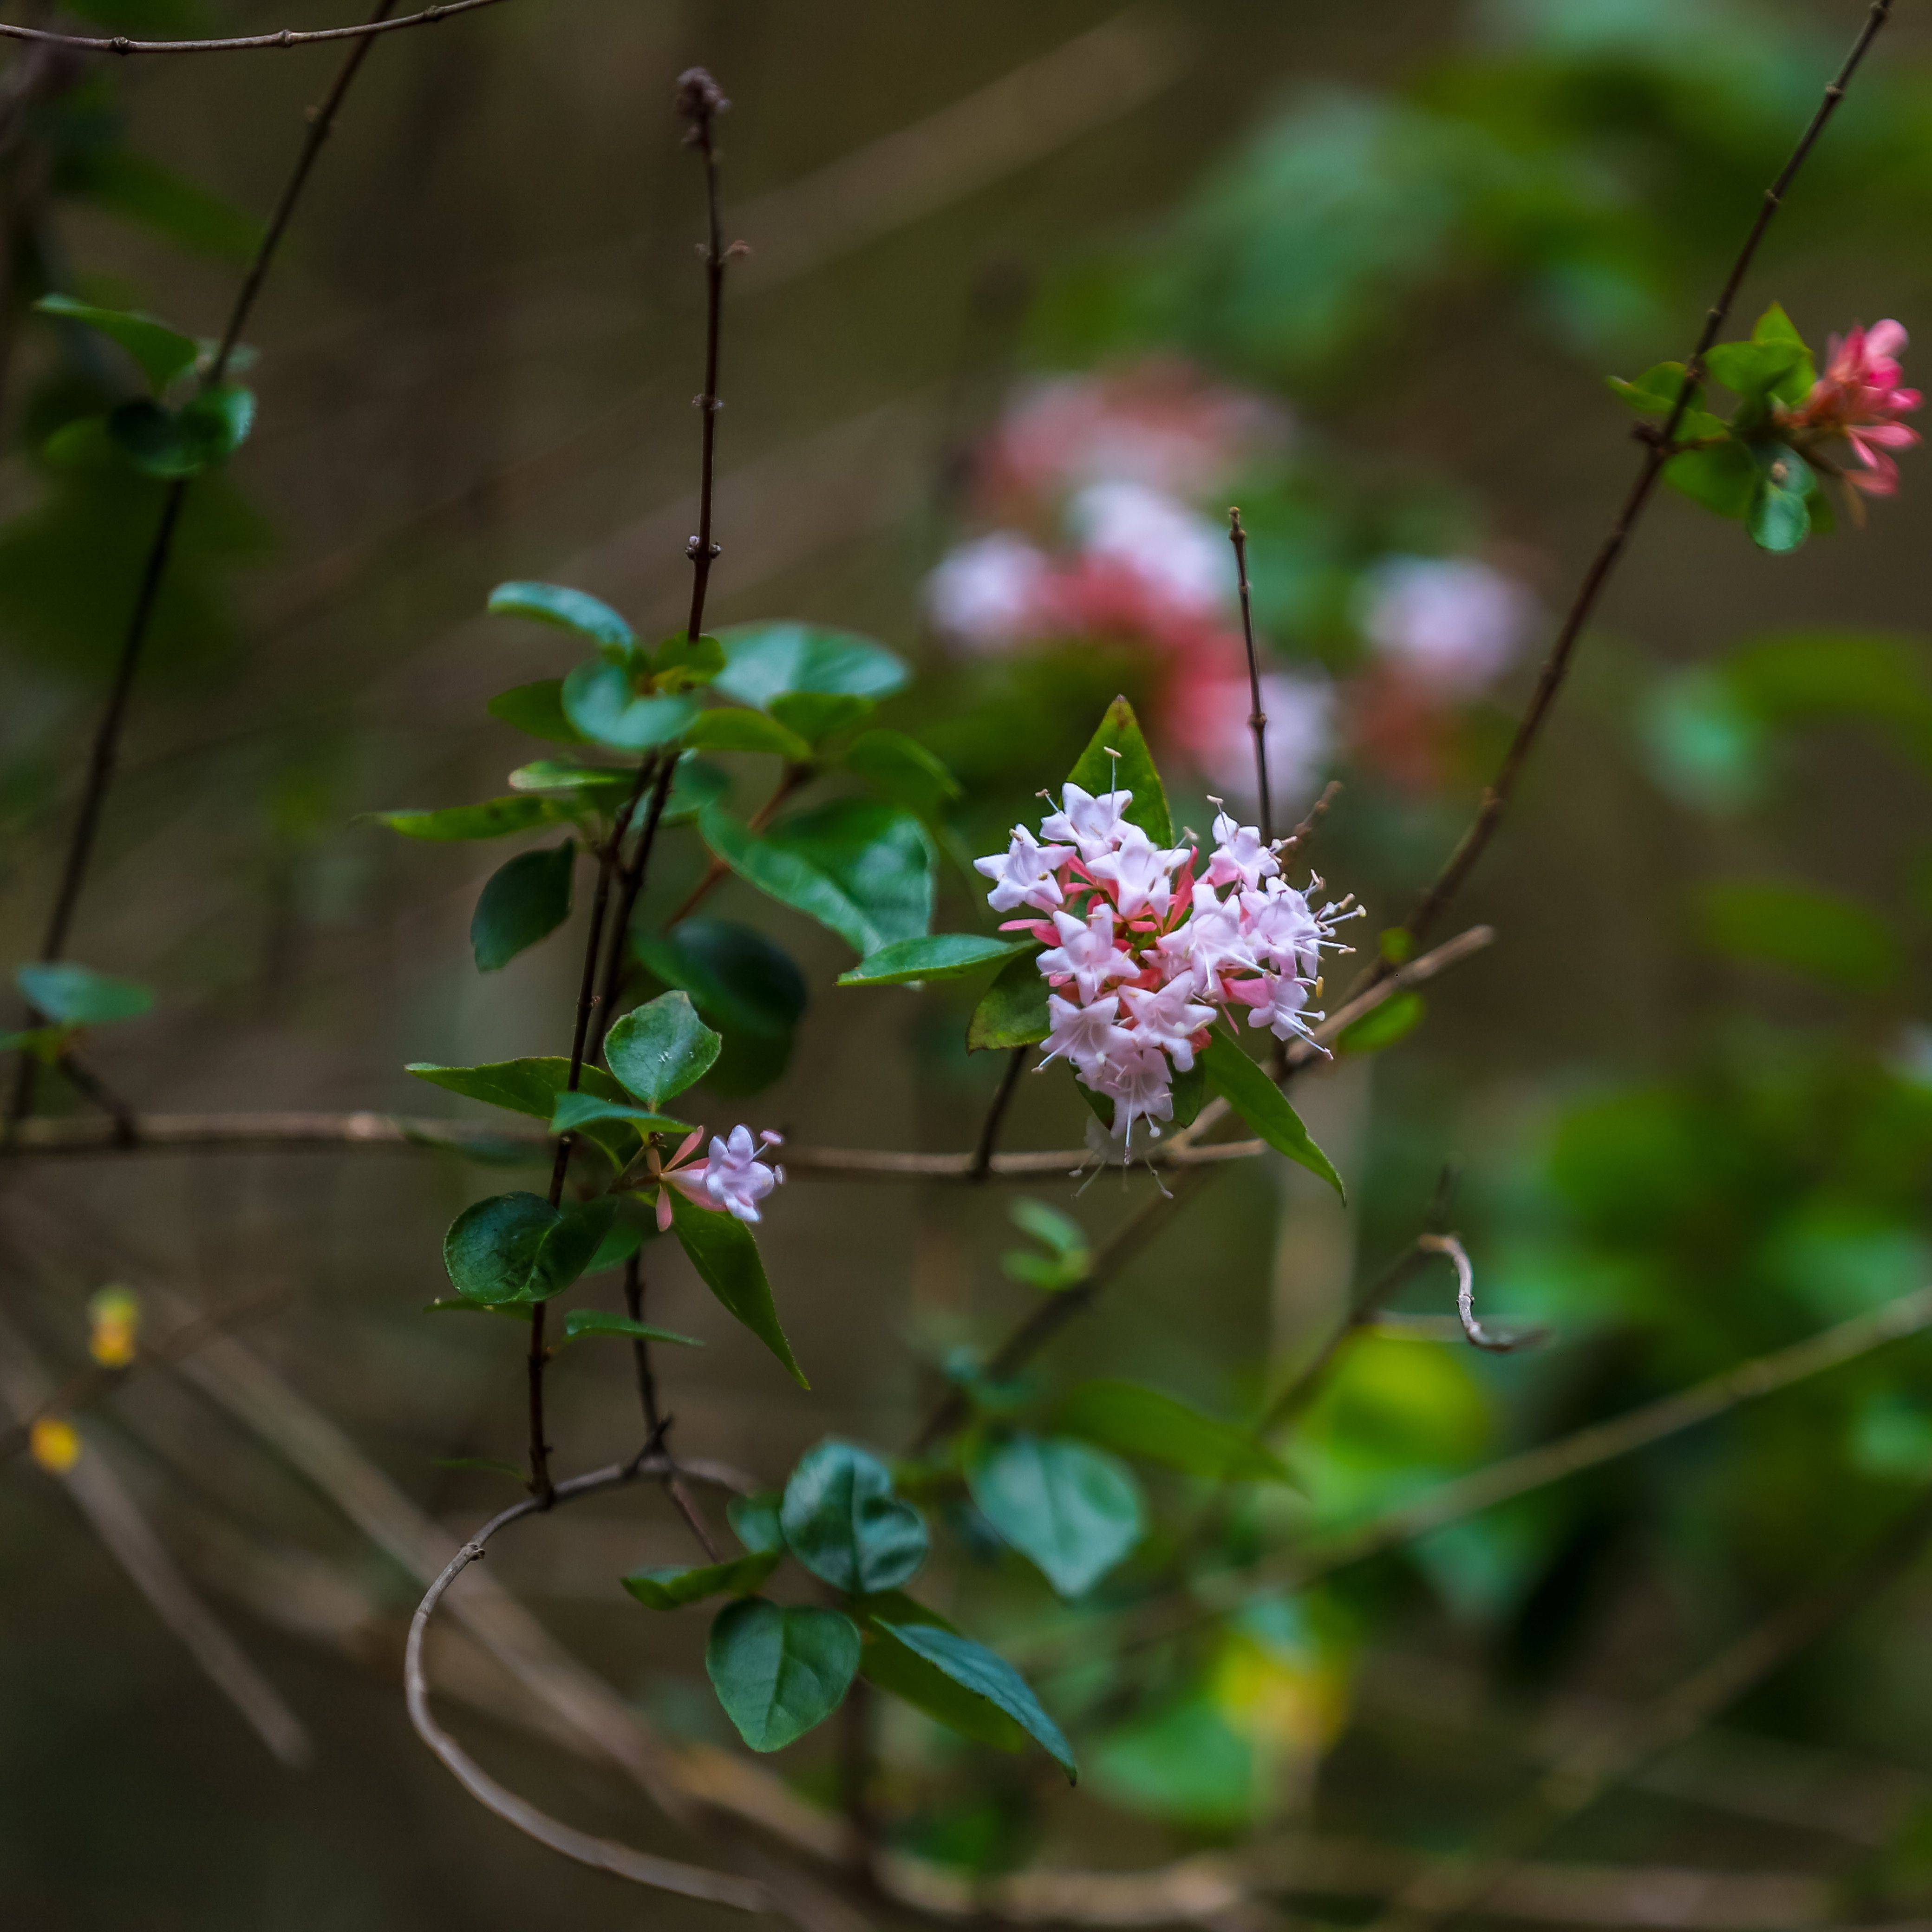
(732, 1178)
(1860, 397)
(1145, 946)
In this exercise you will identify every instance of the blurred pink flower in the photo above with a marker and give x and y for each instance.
(991, 594)
(1860, 398)
(1207, 715)
(1451, 623)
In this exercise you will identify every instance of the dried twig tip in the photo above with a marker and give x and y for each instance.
(699, 99)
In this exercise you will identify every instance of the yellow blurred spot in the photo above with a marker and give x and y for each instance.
(116, 1316)
(55, 1445)
(1297, 1707)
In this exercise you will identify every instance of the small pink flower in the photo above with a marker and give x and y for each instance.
(732, 1179)
(1140, 874)
(1095, 825)
(1023, 875)
(1090, 1036)
(1239, 853)
(1169, 1019)
(1087, 954)
(1860, 396)
(1138, 1084)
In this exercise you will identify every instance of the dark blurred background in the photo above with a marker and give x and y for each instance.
(1688, 1090)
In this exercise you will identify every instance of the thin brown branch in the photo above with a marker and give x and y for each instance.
(288, 37)
(982, 1167)
(1477, 1336)
(1257, 717)
(700, 101)
(1291, 847)
(1482, 829)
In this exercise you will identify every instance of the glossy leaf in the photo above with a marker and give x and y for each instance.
(1779, 518)
(569, 610)
(1073, 1511)
(579, 1109)
(604, 785)
(1775, 326)
(729, 729)
(672, 1589)
(174, 443)
(681, 663)
(726, 1257)
(697, 783)
(845, 1522)
(901, 770)
(580, 1322)
(517, 1247)
(532, 1086)
(816, 715)
(889, 1662)
(600, 701)
(1754, 369)
(1134, 770)
(1723, 479)
(78, 996)
(494, 818)
(755, 1520)
(766, 660)
(1153, 1427)
(941, 955)
(1261, 1103)
(163, 352)
(744, 986)
(659, 1049)
(523, 901)
(859, 867)
(976, 1668)
(536, 708)
(1013, 1011)
(779, 1669)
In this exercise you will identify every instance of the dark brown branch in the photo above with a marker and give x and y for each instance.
(288, 37)
(1257, 717)
(981, 1168)
(700, 101)
(1430, 907)
(617, 964)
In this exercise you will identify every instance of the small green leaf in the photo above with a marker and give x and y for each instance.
(685, 664)
(726, 1257)
(744, 986)
(1753, 370)
(697, 783)
(888, 1662)
(174, 443)
(570, 610)
(604, 784)
(863, 869)
(163, 352)
(755, 1520)
(941, 955)
(77, 996)
(1395, 1019)
(766, 661)
(902, 770)
(536, 708)
(1144, 1424)
(578, 1110)
(844, 1521)
(1261, 1103)
(532, 1086)
(1723, 479)
(671, 1589)
(815, 715)
(728, 729)
(1775, 326)
(1013, 1011)
(580, 1322)
(599, 699)
(1068, 1258)
(1134, 770)
(47, 1044)
(1186, 1091)
(975, 1668)
(522, 901)
(517, 1247)
(494, 818)
(1823, 936)
(779, 1669)
(659, 1049)
(1073, 1511)
(1780, 517)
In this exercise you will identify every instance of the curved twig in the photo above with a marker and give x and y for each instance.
(289, 36)
(1479, 1336)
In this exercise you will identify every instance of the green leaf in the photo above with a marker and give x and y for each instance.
(536, 708)
(975, 1668)
(163, 352)
(577, 1110)
(684, 663)
(1153, 1427)
(174, 443)
(845, 1522)
(671, 1589)
(1073, 1511)
(47, 1044)
(1187, 1091)
(77, 996)
(1134, 770)
(1260, 1103)
(494, 818)
(755, 1520)
(726, 1257)
(582, 1321)
(889, 1663)
(766, 661)
(728, 729)
(1013, 1011)
(1655, 391)
(1068, 1258)
(569, 610)
(696, 784)
(659, 1049)
(779, 1669)
(532, 1086)
(1779, 519)
(1753, 370)
(1775, 326)
(522, 901)
(599, 699)
(1723, 479)
(815, 715)
(1395, 1019)
(746, 986)
(623, 1238)
(604, 783)
(941, 956)
(1823, 936)
(901, 770)
(517, 1247)
(859, 867)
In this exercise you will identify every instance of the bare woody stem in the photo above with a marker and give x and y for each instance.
(288, 37)
(1257, 717)
(1474, 842)
(700, 101)
(981, 1169)
(102, 759)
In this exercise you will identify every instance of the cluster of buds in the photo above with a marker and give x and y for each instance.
(1859, 398)
(732, 1179)
(1145, 946)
